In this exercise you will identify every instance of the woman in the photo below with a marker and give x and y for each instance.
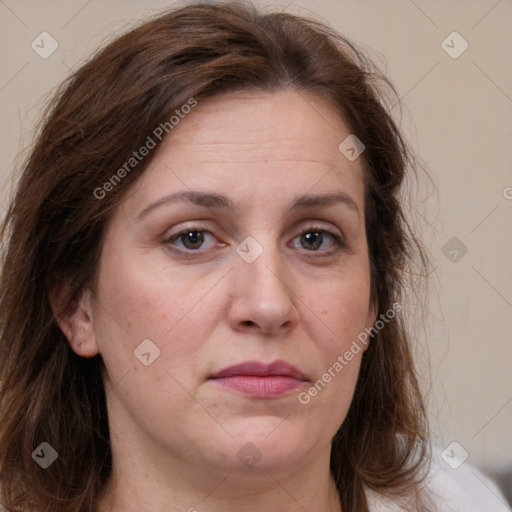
(202, 282)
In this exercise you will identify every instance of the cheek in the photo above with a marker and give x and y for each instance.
(343, 313)
(342, 310)
(138, 302)
(340, 315)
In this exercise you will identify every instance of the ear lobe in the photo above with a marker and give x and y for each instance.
(75, 319)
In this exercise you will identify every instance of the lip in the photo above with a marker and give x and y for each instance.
(260, 380)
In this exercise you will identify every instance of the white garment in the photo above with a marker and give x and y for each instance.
(452, 490)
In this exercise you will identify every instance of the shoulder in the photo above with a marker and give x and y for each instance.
(464, 489)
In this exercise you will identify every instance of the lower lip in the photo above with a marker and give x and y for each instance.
(260, 387)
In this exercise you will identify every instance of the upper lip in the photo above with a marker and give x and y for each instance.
(261, 369)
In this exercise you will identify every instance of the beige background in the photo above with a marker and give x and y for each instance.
(458, 118)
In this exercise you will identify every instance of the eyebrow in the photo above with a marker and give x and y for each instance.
(219, 201)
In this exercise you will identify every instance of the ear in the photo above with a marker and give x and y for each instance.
(75, 318)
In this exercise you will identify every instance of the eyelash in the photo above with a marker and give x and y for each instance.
(339, 242)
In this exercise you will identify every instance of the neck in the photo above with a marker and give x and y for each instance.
(138, 484)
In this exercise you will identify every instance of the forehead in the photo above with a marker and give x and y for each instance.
(255, 144)
(306, 122)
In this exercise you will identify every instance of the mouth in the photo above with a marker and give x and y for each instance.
(260, 380)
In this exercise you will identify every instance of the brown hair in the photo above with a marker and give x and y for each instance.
(54, 227)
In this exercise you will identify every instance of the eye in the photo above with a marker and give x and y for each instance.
(315, 238)
(192, 239)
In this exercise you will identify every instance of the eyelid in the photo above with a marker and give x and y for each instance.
(167, 238)
(339, 239)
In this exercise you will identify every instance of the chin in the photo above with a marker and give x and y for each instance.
(267, 443)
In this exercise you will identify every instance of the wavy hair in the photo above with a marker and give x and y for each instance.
(54, 228)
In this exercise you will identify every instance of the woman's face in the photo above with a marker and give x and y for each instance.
(241, 255)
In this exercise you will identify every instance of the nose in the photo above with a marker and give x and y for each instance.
(263, 296)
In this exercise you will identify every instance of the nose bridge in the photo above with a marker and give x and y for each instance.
(263, 291)
(260, 260)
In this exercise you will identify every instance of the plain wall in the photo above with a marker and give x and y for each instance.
(457, 116)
